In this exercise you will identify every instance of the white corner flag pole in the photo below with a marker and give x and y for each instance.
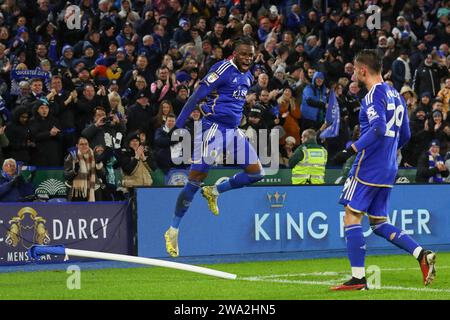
(148, 261)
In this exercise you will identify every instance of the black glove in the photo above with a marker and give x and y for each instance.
(344, 155)
(76, 167)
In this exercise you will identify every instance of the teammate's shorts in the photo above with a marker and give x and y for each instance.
(362, 198)
(215, 144)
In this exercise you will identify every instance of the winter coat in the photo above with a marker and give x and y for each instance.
(427, 79)
(18, 135)
(313, 99)
(48, 151)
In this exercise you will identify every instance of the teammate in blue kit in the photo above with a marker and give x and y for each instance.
(384, 129)
(224, 88)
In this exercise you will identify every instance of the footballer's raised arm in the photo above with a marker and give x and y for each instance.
(210, 82)
(376, 114)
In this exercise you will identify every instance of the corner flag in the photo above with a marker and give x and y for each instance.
(332, 118)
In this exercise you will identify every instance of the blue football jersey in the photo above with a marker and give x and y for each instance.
(224, 104)
(377, 164)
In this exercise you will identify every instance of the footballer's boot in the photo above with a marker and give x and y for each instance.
(427, 261)
(210, 194)
(171, 237)
(352, 284)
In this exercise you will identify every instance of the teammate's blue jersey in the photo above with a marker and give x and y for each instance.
(224, 104)
(382, 107)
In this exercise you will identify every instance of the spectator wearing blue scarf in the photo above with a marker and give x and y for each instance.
(431, 167)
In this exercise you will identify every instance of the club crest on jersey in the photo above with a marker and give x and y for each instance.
(212, 77)
(371, 113)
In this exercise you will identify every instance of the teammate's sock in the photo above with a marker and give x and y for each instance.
(398, 237)
(356, 249)
(239, 180)
(184, 201)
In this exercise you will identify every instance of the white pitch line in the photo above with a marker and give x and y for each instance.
(331, 283)
(275, 278)
(331, 273)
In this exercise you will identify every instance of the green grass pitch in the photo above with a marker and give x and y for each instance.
(273, 280)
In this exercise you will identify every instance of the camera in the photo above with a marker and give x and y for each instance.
(108, 120)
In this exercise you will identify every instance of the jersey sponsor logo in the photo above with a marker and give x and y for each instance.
(371, 114)
(212, 77)
(234, 80)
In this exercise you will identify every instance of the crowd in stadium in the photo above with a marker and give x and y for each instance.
(120, 79)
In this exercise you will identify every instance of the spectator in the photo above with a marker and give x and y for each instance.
(290, 111)
(425, 102)
(180, 99)
(313, 103)
(62, 106)
(115, 103)
(164, 86)
(165, 149)
(263, 83)
(401, 71)
(428, 76)
(104, 130)
(431, 167)
(80, 173)
(109, 176)
(86, 104)
(135, 163)
(287, 150)
(36, 86)
(165, 108)
(46, 134)
(140, 115)
(444, 95)
(308, 161)
(419, 138)
(13, 187)
(437, 129)
(19, 135)
(410, 98)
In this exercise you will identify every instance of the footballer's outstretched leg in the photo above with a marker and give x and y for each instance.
(183, 203)
(426, 258)
(427, 262)
(252, 174)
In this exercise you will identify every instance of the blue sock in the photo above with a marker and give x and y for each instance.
(396, 236)
(184, 201)
(239, 180)
(356, 245)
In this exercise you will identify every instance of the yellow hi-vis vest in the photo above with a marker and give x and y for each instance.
(311, 169)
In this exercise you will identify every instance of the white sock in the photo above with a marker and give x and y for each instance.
(173, 229)
(358, 272)
(417, 252)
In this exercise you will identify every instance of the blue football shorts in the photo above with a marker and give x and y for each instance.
(370, 200)
(215, 144)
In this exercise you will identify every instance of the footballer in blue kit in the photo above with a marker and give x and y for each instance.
(384, 130)
(223, 90)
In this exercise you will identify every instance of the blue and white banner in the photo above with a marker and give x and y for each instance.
(332, 118)
(20, 75)
(284, 219)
